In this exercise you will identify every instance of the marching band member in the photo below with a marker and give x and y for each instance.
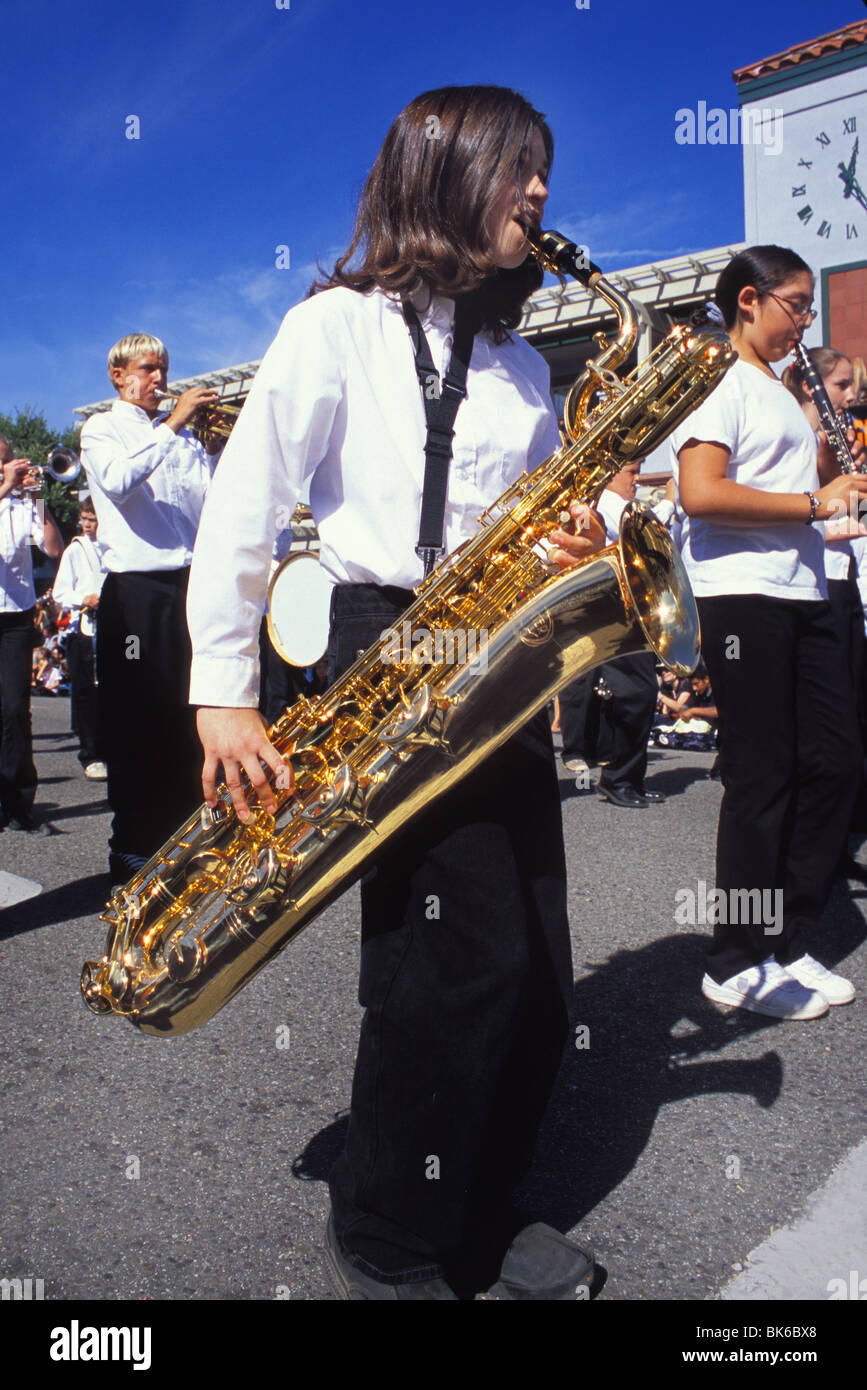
(631, 681)
(20, 526)
(747, 478)
(466, 1016)
(148, 477)
(835, 369)
(77, 586)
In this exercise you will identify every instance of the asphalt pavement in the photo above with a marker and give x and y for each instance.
(680, 1139)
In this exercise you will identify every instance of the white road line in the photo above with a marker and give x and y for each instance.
(821, 1255)
(16, 890)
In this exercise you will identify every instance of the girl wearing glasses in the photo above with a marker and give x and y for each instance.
(746, 467)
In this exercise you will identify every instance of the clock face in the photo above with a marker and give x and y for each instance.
(829, 189)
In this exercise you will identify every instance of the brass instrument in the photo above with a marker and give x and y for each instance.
(62, 464)
(222, 897)
(217, 418)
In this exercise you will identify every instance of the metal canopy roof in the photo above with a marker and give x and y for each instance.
(230, 381)
(666, 285)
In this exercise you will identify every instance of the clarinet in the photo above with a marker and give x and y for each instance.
(827, 414)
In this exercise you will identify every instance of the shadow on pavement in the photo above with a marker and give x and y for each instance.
(83, 898)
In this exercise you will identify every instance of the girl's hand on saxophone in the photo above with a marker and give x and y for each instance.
(235, 739)
(582, 536)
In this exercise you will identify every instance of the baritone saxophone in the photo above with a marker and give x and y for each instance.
(222, 897)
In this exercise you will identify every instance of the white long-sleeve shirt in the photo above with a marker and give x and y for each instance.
(81, 572)
(610, 506)
(20, 527)
(148, 486)
(337, 401)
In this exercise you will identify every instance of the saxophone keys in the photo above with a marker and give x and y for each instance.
(92, 990)
(409, 721)
(185, 958)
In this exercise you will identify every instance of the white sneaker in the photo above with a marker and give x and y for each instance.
(97, 772)
(576, 766)
(767, 989)
(815, 976)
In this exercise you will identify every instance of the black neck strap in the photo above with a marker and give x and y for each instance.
(441, 406)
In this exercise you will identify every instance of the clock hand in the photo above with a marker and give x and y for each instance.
(852, 186)
(847, 171)
(856, 189)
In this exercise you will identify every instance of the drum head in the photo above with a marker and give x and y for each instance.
(299, 603)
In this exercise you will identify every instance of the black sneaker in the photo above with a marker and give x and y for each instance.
(29, 826)
(350, 1283)
(541, 1264)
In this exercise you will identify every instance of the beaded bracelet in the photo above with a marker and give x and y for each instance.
(814, 507)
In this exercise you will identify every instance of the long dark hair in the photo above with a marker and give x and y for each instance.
(422, 213)
(763, 267)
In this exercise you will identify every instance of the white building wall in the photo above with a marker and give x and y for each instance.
(831, 229)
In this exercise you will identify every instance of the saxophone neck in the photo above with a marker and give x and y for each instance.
(559, 255)
(555, 253)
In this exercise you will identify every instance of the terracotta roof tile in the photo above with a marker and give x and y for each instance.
(848, 37)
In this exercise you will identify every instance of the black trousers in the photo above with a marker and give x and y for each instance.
(147, 729)
(847, 615)
(281, 684)
(574, 708)
(790, 762)
(624, 728)
(634, 689)
(18, 779)
(85, 698)
(466, 982)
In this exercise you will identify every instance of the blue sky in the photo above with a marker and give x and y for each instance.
(258, 125)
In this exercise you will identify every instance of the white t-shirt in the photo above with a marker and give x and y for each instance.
(773, 449)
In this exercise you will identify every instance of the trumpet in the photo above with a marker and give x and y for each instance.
(62, 464)
(218, 418)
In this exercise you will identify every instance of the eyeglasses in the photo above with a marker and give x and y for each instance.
(809, 314)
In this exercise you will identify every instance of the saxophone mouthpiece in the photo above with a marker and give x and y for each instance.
(557, 253)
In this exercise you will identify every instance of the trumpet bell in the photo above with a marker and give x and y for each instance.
(63, 465)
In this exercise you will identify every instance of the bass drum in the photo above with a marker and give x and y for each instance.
(299, 605)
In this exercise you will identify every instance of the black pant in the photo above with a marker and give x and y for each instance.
(147, 728)
(790, 762)
(466, 980)
(624, 723)
(18, 779)
(281, 684)
(634, 689)
(847, 615)
(85, 698)
(574, 707)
